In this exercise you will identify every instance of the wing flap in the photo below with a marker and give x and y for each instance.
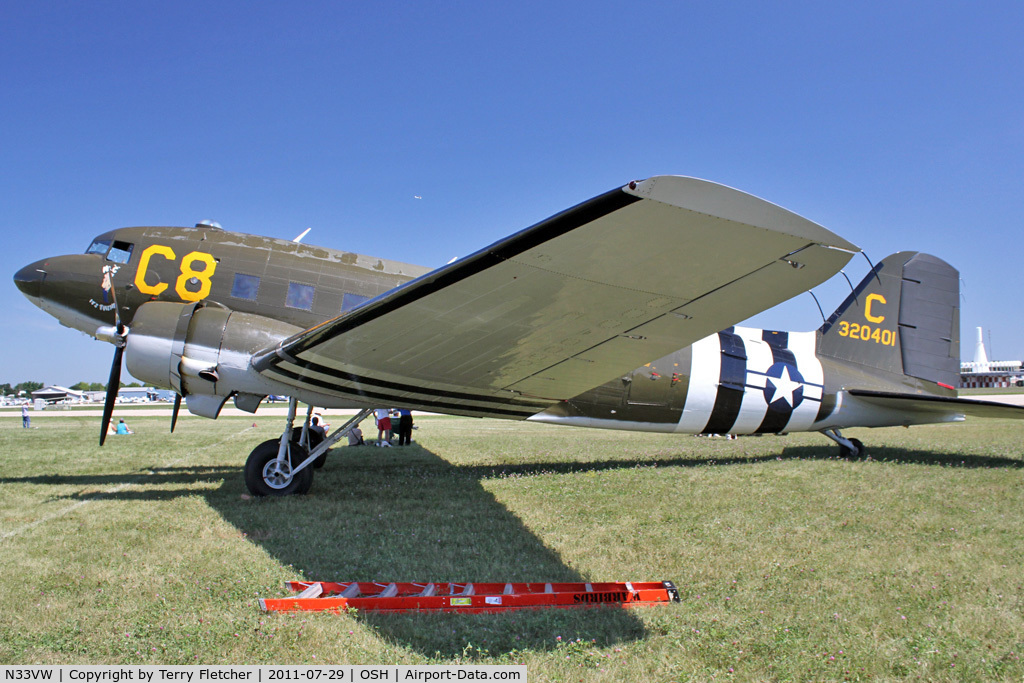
(571, 302)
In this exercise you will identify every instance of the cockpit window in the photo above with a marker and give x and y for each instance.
(98, 247)
(120, 252)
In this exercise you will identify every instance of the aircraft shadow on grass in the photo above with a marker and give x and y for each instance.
(825, 452)
(400, 515)
(189, 475)
(157, 475)
(410, 515)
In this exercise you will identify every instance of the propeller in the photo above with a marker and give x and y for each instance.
(113, 383)
(118, 338)
(174, 415)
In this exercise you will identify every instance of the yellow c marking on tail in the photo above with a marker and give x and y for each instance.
(871, 298)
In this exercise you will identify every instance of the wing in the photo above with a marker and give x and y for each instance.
(567, 304)
(936, 406)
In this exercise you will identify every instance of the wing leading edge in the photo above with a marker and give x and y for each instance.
(567, 304)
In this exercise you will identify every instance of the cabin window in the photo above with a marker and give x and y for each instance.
(350, 301)
(120, 252)
(98, 247)
(299, 296)
(245, 286)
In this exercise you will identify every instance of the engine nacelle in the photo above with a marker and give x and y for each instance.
(202, 352)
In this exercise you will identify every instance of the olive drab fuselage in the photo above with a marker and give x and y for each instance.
(742, 380)
(202, 264)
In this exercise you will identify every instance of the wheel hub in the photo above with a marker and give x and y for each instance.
(277, 473)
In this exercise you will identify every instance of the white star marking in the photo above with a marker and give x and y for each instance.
(784, 387)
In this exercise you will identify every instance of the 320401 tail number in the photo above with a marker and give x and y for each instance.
(867, 333)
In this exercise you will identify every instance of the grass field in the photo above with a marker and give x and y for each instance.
(791, 563)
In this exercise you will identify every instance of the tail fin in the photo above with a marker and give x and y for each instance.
(903, 318)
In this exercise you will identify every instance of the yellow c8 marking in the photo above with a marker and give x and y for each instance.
(872, 298)
(187, 271)
(867, 333)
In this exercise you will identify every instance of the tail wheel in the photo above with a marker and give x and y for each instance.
(315, 439)
(856, 453)
(265, 476)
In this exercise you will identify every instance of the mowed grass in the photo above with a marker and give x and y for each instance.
(791, 563)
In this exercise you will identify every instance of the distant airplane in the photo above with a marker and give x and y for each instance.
(618, 313)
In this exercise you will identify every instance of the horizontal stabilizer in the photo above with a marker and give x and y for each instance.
(939, 405)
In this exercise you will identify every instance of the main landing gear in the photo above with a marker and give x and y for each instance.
(849, 449)
(281, 467)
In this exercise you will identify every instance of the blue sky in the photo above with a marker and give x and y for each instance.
(898, 125)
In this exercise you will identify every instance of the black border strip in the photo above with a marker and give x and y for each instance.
(343, 376)
(434, 281)
(389, 399)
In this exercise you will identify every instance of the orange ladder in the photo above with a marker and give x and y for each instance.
(467, 597)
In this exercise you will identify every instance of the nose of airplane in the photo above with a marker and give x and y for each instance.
(30, 279)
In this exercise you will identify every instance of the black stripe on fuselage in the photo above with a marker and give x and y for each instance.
(436, 280)
(776, 419)
(732, 378)
(391, 399)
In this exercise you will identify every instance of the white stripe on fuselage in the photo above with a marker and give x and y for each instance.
(802, 344)
(705, 367)
(759, 359)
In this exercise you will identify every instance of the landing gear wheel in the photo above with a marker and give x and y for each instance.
(315, 439)
(264, 476)
(858, 451)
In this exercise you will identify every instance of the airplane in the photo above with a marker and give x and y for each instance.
(618, 313)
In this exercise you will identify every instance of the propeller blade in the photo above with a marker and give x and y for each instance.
(113, 384)
(174, 415)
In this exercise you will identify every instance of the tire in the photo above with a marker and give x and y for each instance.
(261, 478)
(858, 451)
(315, 439)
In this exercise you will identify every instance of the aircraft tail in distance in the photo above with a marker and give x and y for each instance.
(903, 319)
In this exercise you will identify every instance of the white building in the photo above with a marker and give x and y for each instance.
(982, 372)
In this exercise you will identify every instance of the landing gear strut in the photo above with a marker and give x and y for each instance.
(281, 467)
(849, 449)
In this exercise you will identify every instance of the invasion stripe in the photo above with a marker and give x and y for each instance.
(440, 406)
(705, 371)
(731, 381)
(775, 420)
(759, 359)
(344, 376)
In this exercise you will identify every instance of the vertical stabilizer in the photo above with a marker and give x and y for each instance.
(903, 318)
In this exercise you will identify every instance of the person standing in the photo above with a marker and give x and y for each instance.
(405, 428)
(383, 425)
(26, 421)
(396, 421)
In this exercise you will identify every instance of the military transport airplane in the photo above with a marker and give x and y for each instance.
(618, 313)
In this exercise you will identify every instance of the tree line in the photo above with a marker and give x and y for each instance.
(7, 389)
